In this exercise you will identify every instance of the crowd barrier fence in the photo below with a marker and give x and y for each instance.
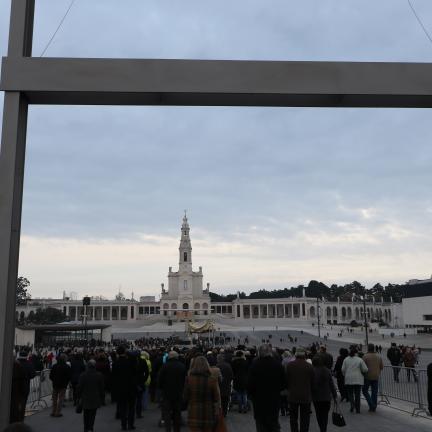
(404, 384)
(407, 385)
(40, 389)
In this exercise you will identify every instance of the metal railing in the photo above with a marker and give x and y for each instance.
(40, 389)
(409, 385)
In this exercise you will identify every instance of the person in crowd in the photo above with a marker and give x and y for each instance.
(409, 362)
(124, 380)
(353, 368)
(374, 364)
(91, 394)
(30, 373)
(77, 366)
(265, 382)
(429, 388)
(240, 368)
(226, 383)
(103, 366)
(323, 391)
(146, 357)
(201, 392)
(60, 376)
(143, 374)
(18, 393)
(215, 371)
(327, 358)
(343, 353)
(171, 381)
(157, 362)
(286, 358)
(299, 380)
(395, 357)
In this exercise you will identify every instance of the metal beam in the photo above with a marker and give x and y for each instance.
(12, 156)
(218, 82)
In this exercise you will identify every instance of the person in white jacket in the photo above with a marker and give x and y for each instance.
(353, 369)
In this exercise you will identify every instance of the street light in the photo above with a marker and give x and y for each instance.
(363, 299)
(365, 320)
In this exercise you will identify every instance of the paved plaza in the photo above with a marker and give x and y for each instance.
(384, 420)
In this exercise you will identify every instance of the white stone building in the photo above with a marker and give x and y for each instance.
(185, 294)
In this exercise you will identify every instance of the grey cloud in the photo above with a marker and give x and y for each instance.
(113, 172)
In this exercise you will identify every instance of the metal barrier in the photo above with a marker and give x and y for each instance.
(40, 389)
(404, 384)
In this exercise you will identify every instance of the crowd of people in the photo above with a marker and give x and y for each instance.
(205, 381)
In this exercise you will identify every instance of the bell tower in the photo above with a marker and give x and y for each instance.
(185, 248)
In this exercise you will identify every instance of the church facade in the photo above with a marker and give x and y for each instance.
(185, 295)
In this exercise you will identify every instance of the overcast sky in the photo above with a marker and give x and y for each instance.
(275, 197)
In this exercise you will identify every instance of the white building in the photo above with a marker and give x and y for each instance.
(185, 287)
(417, 304)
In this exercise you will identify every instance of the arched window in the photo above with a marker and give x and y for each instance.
(185, 256)
(312, 312)
(185, 306)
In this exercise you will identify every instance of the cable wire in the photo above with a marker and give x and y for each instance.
(420, 21)
(58, 27)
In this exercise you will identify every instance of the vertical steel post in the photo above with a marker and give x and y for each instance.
(12, 157)
(365, 320)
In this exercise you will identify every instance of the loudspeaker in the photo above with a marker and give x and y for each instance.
(86, 301)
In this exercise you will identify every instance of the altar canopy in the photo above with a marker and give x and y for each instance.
(201, 327)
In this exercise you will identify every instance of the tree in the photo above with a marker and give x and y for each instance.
(48, 315)
(22, 295)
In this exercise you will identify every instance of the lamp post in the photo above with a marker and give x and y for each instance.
(318, 318)
(363, 299)
(365, 319)
(86, 302)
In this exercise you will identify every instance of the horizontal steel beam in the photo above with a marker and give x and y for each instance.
(218, 82)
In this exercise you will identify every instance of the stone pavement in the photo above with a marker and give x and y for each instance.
(384, 420)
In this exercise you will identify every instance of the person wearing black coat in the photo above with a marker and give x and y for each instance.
(91, 392)
(266, 380)
(77, 368)
(171, 380)
(125, 382)
(323, 391)
(395, 357)
(343, 353)
(225, 385)
(142, 376)
(30, 373)
(18, 393)
(240, 369)
(60, 376)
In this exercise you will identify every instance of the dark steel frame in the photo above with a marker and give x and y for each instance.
(28, 80)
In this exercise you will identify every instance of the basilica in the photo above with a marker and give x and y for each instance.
(185, 295)
(186, 299)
